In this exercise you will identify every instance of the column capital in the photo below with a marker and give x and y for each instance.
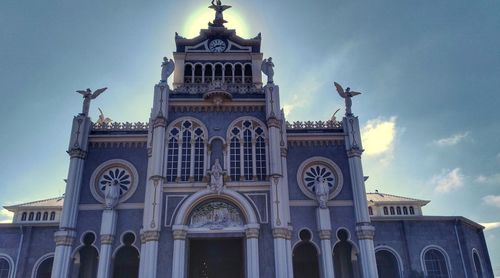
(273, 122)
(147, 236)
(159, 121)
(77, 153)
(284, 152)
(252, 233)
(325, 234)
(354, 152)
(283, 233)
(107, 239)
(179, 234)
(365, 230)
(64, 237)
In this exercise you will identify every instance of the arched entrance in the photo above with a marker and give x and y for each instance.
(216, 235)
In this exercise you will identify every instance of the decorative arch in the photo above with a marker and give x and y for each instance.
(478, 264)
(227, 194)
(10, 263)
(39, 262)
(441, 251)
(306, 257)
(391, 250)
(126, 257)
(345, 255)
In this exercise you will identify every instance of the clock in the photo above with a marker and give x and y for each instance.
(217, 45)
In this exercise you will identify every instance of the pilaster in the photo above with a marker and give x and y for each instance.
(325, 234)
(179, 233)
(108, 231)
(252, 238)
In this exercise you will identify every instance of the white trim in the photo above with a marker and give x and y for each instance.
(255, 206)
(475, 251)
(10, 261)
(313, 203)
(395, 254)
(443, 252)
(111, 163)
(326, 162)
(304, 228)
(118, 207)
(39, 262)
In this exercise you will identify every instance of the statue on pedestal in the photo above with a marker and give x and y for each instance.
(167, 67)
(87, 97)
(219, 17)
(216, 177)
(322, 191)
(346, 95)
(267, 68)
(111, 196)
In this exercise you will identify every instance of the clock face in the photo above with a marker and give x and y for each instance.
(217, 45)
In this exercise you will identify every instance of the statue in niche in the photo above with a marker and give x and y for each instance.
(111, 196)
(346, 95)
(87, 97)
(322, 191)
(216, 177)
(267, 68)
(167, 67)
(219, 17)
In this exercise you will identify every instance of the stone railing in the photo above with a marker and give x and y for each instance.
(116, 126)
(231, 88)
(314, 125)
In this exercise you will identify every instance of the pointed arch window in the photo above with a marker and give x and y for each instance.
(186, 152)
(247, 151)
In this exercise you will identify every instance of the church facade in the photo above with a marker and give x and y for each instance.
(218, 184)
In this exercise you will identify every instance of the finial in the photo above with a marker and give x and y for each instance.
(219, 17)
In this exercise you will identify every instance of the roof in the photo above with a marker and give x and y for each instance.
(378, 197)
(46, 203)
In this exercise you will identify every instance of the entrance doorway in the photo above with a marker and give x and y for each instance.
(221, 258)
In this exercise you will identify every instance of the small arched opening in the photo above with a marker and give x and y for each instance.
(188, 73)
(345, 258)
(305, 257)
(126, 261)
(208, 73)
(45, 268)
(86, 259)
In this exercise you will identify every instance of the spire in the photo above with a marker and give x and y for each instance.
(219, 18)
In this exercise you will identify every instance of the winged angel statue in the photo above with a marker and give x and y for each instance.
(346, 95)
(88, 96)
(167, 67)
(267, 68)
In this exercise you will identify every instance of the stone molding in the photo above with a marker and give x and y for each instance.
(64, 238)
(365, 231)
(273, 122)
(147, 236)
(284, 152)
(212, 108)
(107, 239)
(159, 122)
(354, 152)
(252, 233)
(77, 153)
(325, 234)
(179, 234)
(282, 233)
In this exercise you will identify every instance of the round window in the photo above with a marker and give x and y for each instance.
(316, 170)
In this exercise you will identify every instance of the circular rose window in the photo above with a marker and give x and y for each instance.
(316, 170)
(114, 172)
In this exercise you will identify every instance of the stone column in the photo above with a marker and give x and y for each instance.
(282, 237)
(364, 228)
(154, 186)
(179, 233)
(325, 234)
(252, 238)
(64, 237)
(108, 230)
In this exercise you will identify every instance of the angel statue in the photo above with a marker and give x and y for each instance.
(219, 18)
(267, 68)
(322, 191)
(167, 67)
(216, 177)
(111, 196)
(346, 95)
(87, 97)
(103, 120)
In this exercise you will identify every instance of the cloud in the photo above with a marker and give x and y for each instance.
(448, 180)
(490, 225)
(451, 140)
(6, 216)
(378, 136)
(492, 179)
(492, 200)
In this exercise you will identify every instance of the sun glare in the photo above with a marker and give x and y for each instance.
(199, 19)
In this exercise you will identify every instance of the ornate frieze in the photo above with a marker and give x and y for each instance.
(116, 126)
(159, 122)
(179, 234)
(314, 125)
(216, 215)
(365, 231)
(273, 122)
(212, 108)
(77, 153)
(64, 238)
(107, 239)
(325, 234)
(252, 233)
(147, 236)
(282, 233)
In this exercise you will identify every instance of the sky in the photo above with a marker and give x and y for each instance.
(429, 73)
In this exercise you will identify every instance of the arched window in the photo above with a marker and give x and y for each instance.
(392, 210)
(31, 216)
(198, 73)
(38, 216)
(86, 259)
(344, 257)
(208, 73)
(218, 72)
(238, 74)
(45, 216)
(188, 73)
(398, 210)
(370, 210)
(305, 257)
(126, 262)
(228, 74)
(53, 216)
(405, 210)
(387, 264)
(412, 211)
(435, 264)
(45, 268)
(248, 73)
(185, 151)
(247, 151)
(386, 211)
(23, 216)
(5, 268)
(477, 264)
